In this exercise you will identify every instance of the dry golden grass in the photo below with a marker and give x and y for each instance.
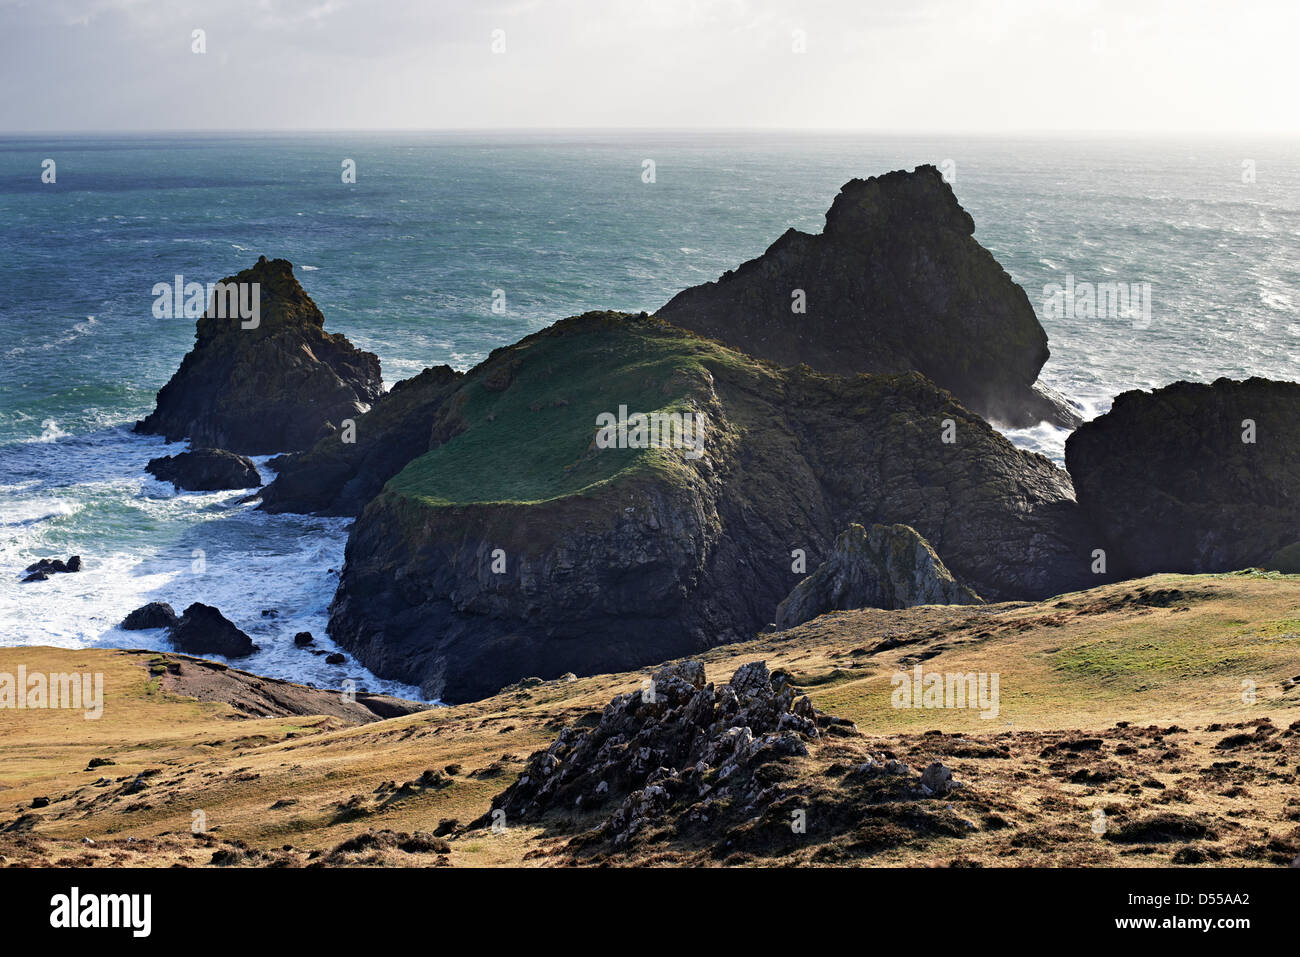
(1165, 651)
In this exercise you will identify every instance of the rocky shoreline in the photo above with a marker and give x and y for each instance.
(841, 380)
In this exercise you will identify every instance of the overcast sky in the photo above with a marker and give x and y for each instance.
(908, 65)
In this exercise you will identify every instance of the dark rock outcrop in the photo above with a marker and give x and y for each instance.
(895, 282)
(205, 470)
(278, 387)
(156, 614)
(517, 546)
(1174, 484)
(675, 752)
(335, 477)
(203, 630)
(884, 567)
(41, 571)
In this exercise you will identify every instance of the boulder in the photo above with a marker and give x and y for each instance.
(895, 282)
(278, 387)
(205, 470)
(1192, 477)
(203, 630)
(156, 614)
(41, 570)
(886, 567)
(530, 540)
(338, 477)
(303, 639)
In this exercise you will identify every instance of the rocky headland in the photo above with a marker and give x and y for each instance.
(502, 531)
(518, 546)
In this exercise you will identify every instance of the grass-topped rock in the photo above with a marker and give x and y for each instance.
(520, 544)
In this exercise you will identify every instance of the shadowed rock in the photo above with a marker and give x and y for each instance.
(205, 470)
(676, 750)
(41, 571)
(278, 387)
(886, 567)
(895, 282)
(335, 477)
(156, 614)
(1192, 477)
(203, 630)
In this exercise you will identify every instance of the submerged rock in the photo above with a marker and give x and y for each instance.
(156, 614)
(203, 630)
(1192, 477)
(895, 282)
(278, 387)
(886, 567)
(205, 470)
(519, 544)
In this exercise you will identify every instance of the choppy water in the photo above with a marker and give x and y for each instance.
(406, 260)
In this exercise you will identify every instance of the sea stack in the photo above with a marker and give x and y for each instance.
(895, 282)
(275, 383)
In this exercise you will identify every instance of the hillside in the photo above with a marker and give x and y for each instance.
(1127, 698)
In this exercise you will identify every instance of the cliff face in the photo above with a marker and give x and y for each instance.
(895, 282)
(1173, 484)
(518, 545)
(278, 387)
(335, 477)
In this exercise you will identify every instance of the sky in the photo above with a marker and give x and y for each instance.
(939, 66)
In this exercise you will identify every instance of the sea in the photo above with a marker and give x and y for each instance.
(409, 258)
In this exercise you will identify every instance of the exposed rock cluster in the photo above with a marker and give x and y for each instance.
(41, 570)
(201, 630)
(679, 745)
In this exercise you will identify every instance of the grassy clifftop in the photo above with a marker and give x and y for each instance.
(523, 426)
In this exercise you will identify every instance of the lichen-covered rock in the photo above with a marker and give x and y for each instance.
(1192, 477)
(888, 566)
(205, 470)
(342, 472)
(895, 282)
(278, 387)
(669, 750)
(517, 545)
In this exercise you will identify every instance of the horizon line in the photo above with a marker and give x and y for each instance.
(480, 130)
